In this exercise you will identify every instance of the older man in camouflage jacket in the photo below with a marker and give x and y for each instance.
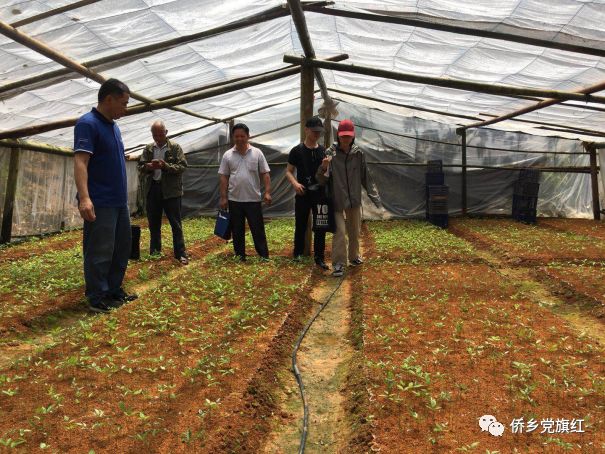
(162, 165)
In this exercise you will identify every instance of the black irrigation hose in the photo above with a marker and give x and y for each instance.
(296, 372)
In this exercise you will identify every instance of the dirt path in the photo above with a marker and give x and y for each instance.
(323, 362)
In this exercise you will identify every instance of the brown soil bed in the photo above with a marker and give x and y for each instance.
(415, 242)
(148, 418)
(583, 284)
(31, 248)
(445, 344)
(188, 367)
(53, 305)
(587, 227)
(39, 245)
(523, 244)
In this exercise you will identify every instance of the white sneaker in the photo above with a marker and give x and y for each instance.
(338, 270)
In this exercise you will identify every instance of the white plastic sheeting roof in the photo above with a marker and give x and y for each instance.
(109, 26)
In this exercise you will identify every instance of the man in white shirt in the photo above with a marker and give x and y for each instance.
(240, 173)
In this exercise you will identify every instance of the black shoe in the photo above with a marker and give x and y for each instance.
(320, 263)
(123, 297)
(102, 306)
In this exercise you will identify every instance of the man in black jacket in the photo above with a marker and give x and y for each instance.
(305, 158)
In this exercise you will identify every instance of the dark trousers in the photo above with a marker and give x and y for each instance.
(106, 247)
(253, 212)
(156, 205)
(303, 205)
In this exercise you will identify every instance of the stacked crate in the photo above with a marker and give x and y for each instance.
(525, 196)
(436, 194)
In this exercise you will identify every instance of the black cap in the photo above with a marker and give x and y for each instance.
(314, 124)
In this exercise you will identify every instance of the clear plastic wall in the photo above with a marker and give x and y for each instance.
(389, 139)
(45, 200)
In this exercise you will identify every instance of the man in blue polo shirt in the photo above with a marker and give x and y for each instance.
(100, 174)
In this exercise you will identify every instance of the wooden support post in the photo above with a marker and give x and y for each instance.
(306, 97)
(594, 179)
(306, 111)
(64, 192)
(230, 139)
(9, 197)
(462, 133)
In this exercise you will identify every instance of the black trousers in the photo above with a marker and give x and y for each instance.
(252, 211)
(156, 205)
(303, 205)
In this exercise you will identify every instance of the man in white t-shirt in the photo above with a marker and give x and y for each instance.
(240, 173)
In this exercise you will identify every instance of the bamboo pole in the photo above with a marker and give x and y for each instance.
(140, 52)
(467, 117)
(554, 125)
(298, 17)
(227, 87)
(542, 104)
(594, 180)
(53, 12)
(306, 98)
(462, 133)
(492, 89)
(9, 197)
(407, 106)
(36, 146)
(306, 112)
(580, 132)
(579, 169)
(228, 120)
(567, 169)
(479, 147)
(456, 29)
(140, 108)
(48, 52)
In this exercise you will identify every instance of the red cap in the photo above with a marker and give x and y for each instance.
(346, 128)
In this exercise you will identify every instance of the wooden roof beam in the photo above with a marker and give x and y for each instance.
(492, 89)
(53, 12)
(175, 100)
(586, 92)
(456, 29)
(140, 52)
(298, 17)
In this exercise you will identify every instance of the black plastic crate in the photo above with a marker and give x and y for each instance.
(434, 178)
(135, 246)
(526, 188)
(434, 166)
(527, 216)
(521, 202)
(532, 175)
(438, 190)
(440, 220)
(437, 208)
